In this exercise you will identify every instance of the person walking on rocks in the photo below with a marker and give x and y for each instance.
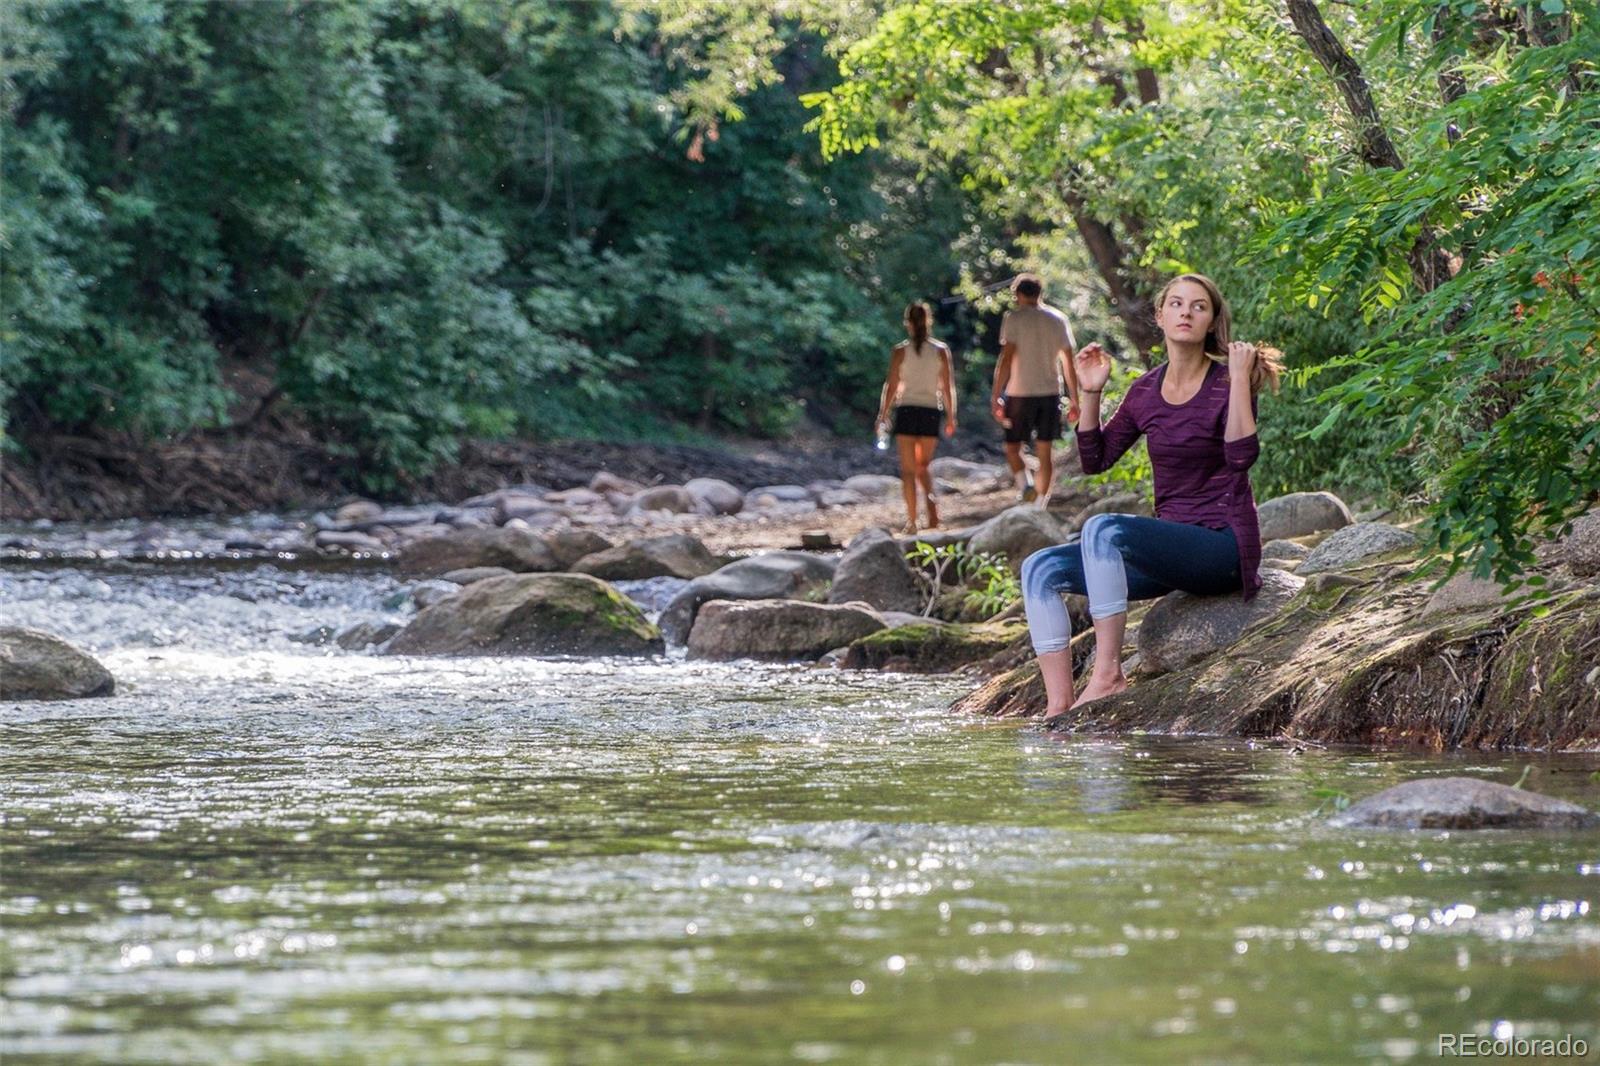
(1035, 358)
(921, 390)
(1198, 414)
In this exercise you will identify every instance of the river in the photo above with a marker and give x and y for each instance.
(261, 850)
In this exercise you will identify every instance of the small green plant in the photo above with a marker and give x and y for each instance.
(1331, 798)
(991, 586)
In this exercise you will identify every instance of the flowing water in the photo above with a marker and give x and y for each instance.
(262, 850)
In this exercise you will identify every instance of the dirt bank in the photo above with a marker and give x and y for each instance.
(107, 476)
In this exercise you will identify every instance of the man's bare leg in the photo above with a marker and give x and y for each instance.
(1047, 472)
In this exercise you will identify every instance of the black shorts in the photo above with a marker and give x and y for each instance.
(916, 421)
(1033, 417)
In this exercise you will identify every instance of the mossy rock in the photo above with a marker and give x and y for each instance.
(932, 648)
(531, 614)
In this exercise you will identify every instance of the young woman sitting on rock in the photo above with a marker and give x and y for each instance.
(921, 380)
(1198, 412)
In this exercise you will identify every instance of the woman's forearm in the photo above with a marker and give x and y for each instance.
(1088, 410)
(1241, 411)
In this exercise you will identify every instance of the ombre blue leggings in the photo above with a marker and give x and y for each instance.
(1123, 557)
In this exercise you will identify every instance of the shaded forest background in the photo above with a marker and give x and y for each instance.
(399, 227)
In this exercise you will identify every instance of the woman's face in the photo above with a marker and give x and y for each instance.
(1186, 313)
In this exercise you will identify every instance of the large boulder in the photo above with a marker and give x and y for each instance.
(1286, 553)
(929, 647)
(874, 570)
(531, 614)
(473, 574)
(970, 475)
(672, 498)
(1580, 549)
(776, 630)
(1465, 592)
(1017, 533)
(674, 555)
(518, 550)
(1462, 803)
(35, 665)
(1119, 503)
(534, 510)
(570, 545)
(1302, 513)
(604, 482)
(775, 575)
(1183, 628)
(1355, 544)
(714, 496)
(873, 486)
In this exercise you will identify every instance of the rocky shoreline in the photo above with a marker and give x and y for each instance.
(1348, 642)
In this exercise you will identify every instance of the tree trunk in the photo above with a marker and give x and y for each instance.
(1430, 267)
(1111, 260)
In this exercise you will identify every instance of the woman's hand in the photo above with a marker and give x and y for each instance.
(1094, 367)
(1241, 361)
(950, 427)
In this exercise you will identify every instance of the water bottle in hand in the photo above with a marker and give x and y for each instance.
(883, 436)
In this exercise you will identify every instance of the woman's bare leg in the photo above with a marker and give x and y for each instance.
(1105, 678)
(1056, 669)
(925, 447)
(908, 477)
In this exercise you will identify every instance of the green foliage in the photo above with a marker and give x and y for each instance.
(422, 220)
(1490, 379)
(991, 586)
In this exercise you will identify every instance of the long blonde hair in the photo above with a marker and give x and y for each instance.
(1269, 360)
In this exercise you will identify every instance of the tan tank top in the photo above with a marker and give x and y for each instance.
(919, 374)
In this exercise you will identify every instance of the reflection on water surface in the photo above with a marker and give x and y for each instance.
(264, 851)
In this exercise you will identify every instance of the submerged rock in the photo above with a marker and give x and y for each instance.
(776, 630)
(1355, 544)
(775, 575)
(531, 614)
(874, 570)
(35, 665)
(1462, 803)
(1183, 628)
(366, 634)
(1301, 513)
(673, 555)
(428, 593)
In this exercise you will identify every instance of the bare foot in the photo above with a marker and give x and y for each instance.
(1048, 715)
(933, 517)
(1098, 689)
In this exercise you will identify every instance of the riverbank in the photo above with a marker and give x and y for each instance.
(68, 478)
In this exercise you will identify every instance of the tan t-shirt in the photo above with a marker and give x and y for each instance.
(1039, 332)
(919, 374)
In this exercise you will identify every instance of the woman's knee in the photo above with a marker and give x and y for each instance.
(1048, 571)
(1106, 532)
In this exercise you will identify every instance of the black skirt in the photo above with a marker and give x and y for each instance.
(916, 421)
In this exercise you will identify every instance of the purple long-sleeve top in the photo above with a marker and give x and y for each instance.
(1201, 479)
